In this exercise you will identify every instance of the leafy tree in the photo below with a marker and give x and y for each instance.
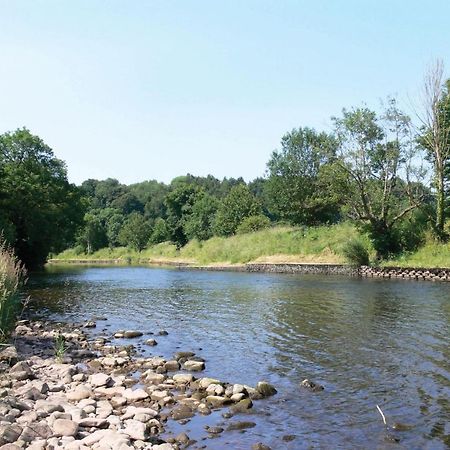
(179, 204)
(127, 203)
(114, 224)
(152, 195)
(92, 236)
(199, 223)
(435, 136)
(160, 232)
(374, 153)
(135, 232)
(239, 204)
(299, 187)
(253, 223)
(41, 208)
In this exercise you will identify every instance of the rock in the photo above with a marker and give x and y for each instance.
(162, 333)
(9, 355)
(288, 437)
(240, 425)
(9, 433)
(203, 409)
(151, 342)
(215, 389)
(194, 366)
(182, 412)
(183, 378)
(216, 401)
(214, 430)
(21, 371)
(260, 446)
(265, 389)
(235, 398)
(311, 385)
(135, 429)
(172, 366)
(80, 393)
(100, 379)
(90, 324)
(182, 438)
(238, 389)
(132, 334)
(203, 383)
(118, 401)
(181, 355)
(165, 446)
(242, 406)
(64, 427)
(135, 395)
(93, 422)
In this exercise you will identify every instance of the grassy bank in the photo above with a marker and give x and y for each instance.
(432, 254)
(280, 244)
(10, 278)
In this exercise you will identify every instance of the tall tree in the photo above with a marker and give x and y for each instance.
(42, 208)
(381, 182)
(435, 120)
(300, 186)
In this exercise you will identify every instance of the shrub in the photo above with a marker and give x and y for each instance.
(356, 253)
(253, 223)
(11, 275)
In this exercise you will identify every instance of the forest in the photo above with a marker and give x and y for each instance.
(381, 170)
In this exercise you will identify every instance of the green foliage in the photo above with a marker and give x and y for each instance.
(374, 152)
(199, 223)
(135, 232)
(160, 232)
(41, 209)
(356, 253)
(253, 223)
(239, 204)
(11, 276)
(60, 347)
(300, 189)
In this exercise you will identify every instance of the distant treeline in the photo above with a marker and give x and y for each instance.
(373, 168)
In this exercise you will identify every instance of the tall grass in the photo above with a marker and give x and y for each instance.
(12, 275)
(278, 244)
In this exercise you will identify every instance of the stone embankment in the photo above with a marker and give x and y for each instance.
(97, 395)
(408, 273)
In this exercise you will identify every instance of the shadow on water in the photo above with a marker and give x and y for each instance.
(367, 341)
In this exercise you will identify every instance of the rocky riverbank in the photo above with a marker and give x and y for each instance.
(66, 387)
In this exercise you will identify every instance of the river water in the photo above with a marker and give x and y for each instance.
(367, 341)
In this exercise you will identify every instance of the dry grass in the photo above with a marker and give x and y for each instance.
(12, 275)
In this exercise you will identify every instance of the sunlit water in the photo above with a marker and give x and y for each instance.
(367, 341)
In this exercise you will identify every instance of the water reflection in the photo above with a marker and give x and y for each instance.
(368, 341)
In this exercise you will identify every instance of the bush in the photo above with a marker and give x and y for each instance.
(356, 253)
(11, 275)
(253, 223)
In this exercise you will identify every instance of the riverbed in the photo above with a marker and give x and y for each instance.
(367, 341)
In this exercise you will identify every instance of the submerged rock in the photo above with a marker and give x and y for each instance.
(314, 387)
(265, 389)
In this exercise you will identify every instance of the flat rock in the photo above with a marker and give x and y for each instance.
(194, 366)
(135, 395)
(132, 334)
(240, 425)
(135, 429)
(99, 379)
(80, 393)
(64, 427)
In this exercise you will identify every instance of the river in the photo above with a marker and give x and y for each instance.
(367, 341)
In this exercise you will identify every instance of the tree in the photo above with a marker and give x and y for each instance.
(435, 136)
(179, 204)
(375, 152)
(300, 186)
(160, 232)
(199, 223)
(239, 204)
(42, 209)
(135, 232)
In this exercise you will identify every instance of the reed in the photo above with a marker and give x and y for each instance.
(12, 274)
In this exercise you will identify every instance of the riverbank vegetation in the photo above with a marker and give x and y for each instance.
(11, 276)
(377, 172)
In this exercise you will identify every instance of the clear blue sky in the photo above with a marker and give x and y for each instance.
(138, 90)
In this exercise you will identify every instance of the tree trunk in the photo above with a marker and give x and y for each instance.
(440, 203)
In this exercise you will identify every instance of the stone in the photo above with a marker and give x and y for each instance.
(135, 429)
(9, 355)
(266, 389)
(181, 355)
(172, 366)
(314, 387)
(64, 427)
(214, 430)
(216, 401)
(183, 378)
(194, 366)
(132, 334)
(205, 382)
(100, 379)
(162, 333)
(80, 393)
(21, 371)
(135, 395)
(240, 426)
(9, 433)
(151, 342)
(93, 422)
(241, 406)
(90, 324)
(182, 438)
(181, 412)
(260, 446)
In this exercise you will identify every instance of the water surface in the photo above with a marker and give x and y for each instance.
(368, 341)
